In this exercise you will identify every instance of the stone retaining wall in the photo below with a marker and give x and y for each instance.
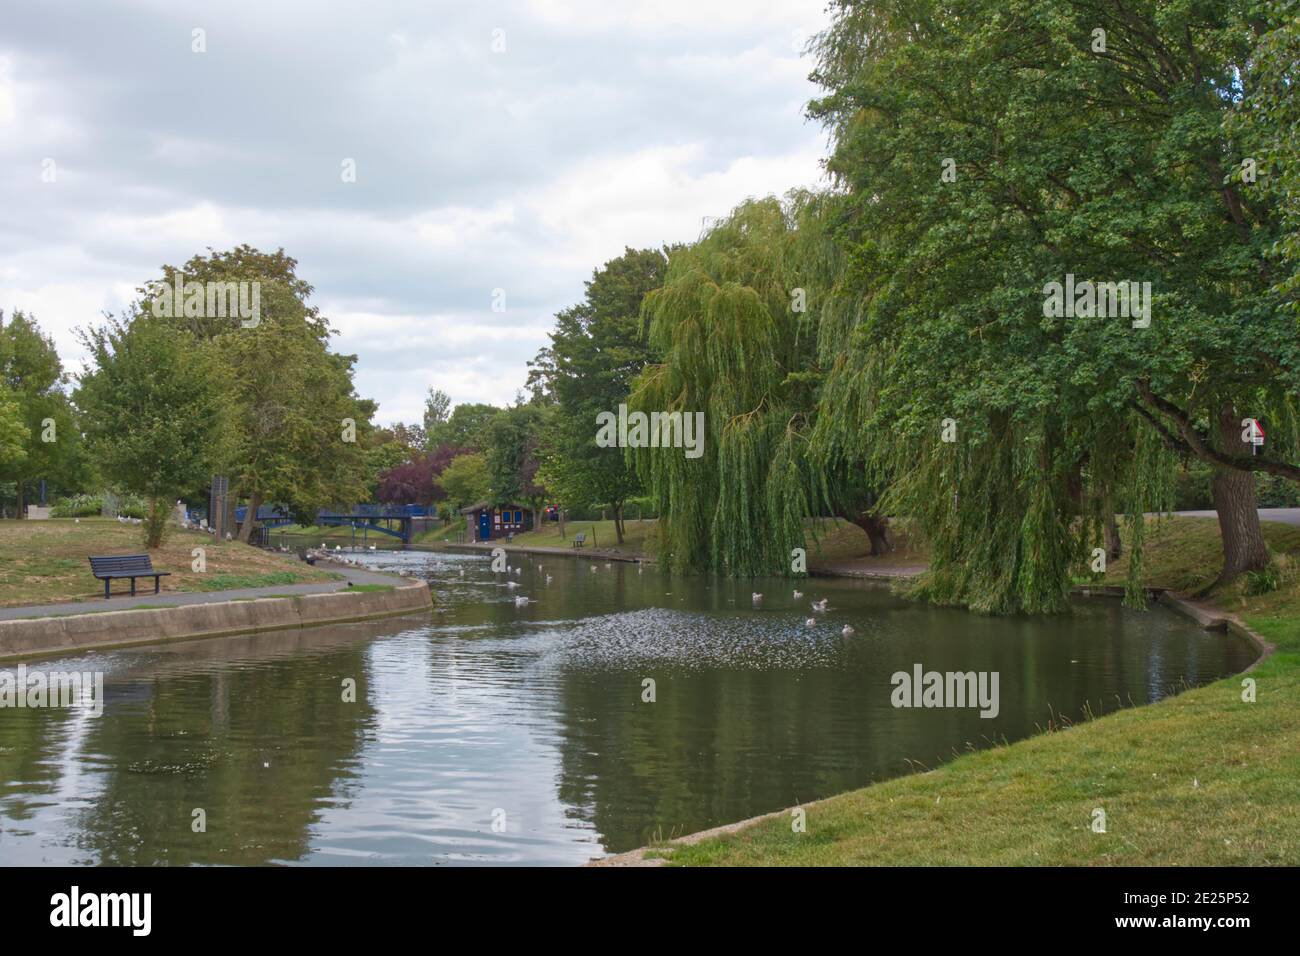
(81, 632)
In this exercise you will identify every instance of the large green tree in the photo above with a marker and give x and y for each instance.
(748, 329)
(150, 403)
(596, 350)
(13, 433)
(30, 368)
(465, 427)
(466, 480)
(984, 151)
(298, 433)
(512, 457)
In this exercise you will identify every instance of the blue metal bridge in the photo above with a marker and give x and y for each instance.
(394, 520)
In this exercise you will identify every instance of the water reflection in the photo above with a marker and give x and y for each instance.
(534, 716)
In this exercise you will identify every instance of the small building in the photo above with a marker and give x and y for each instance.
(485, 521)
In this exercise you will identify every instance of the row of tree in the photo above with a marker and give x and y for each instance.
(168, 399)
(542, 449)
(884, 347)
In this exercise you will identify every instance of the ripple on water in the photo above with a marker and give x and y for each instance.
(694, 641)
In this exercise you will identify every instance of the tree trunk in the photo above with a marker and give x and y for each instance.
(1234, 499)
(618, 522)
(250, 516)
(1114, 548)
(155, 521)
(877, 528)
(22, 507)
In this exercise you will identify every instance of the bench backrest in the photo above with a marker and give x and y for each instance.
(121, 564)
(580, 536)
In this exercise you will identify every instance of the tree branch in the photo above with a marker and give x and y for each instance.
(1191, 441)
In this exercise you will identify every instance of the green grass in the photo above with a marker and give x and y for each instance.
(1203, 778)
(236, 582)
(45, 562)
(637, 536)
(827, 540)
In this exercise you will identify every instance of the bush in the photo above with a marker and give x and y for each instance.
(1275, 492)
(1192, 488)
(1263, 581)
(92, 506)
(78, 506)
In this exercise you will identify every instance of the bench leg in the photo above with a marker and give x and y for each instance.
(105, 589)
(157, 583)
(133, 587)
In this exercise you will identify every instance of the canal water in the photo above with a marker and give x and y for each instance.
(497, 732)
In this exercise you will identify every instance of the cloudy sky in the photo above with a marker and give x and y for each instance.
(497, 145)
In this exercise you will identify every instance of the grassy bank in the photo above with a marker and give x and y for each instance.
(312, 536)
(45, 562)
(1202, 778)
(828, 540)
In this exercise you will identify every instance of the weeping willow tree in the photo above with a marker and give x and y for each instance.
(743, 328)
(984, 151)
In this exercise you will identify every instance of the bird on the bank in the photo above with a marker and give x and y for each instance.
(822, 605)
(811, 622)
(798, 595)
(848, 630)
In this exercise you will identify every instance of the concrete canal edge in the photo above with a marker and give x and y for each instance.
(73, 633)
(1211, 619)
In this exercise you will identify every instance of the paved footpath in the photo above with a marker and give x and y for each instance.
(351, 576)
(1280, 515)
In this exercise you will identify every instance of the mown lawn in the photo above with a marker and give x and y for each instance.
(45, 562)
(638, 540)
(1203, 778)
(827, 539)
(312, 536)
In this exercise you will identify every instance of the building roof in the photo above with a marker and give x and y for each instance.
(477, 506)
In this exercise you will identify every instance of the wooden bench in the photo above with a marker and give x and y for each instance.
(132, 566)
(579, 539)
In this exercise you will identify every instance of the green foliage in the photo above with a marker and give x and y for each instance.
(33, 378)
(14, 435)
(149, 403)
(748, 328)
(466, 480)
(437, 407)
(1110, 165)
(1263, 581)
(597, 348)
(287, 437)
(512, 440)
(466, 427)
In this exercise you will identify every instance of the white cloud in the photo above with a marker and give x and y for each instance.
(604, 125)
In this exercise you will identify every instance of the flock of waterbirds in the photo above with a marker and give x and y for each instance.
(312, 555)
